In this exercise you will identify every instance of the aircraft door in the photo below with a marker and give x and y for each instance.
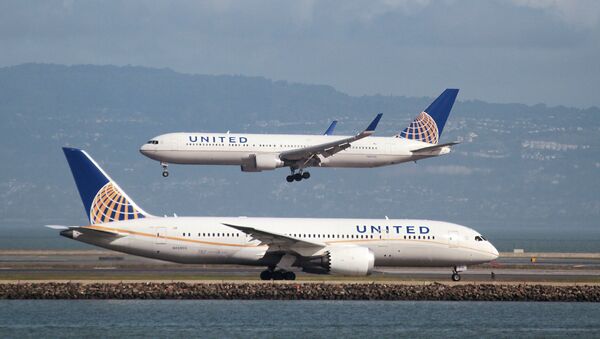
(453, 239)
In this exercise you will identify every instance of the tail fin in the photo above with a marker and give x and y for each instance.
(428, 125)
(103, 199)
(331, 127)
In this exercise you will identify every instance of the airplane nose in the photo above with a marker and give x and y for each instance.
(494, 252)
(144, 149)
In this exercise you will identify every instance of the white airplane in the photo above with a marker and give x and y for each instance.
(261, 152)
(283, 245)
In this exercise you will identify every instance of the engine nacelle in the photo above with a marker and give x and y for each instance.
(356, 261)
(261, 162)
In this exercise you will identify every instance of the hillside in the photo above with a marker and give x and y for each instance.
(519, 167)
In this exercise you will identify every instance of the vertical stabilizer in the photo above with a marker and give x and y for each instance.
(428, 125)
(103, 200)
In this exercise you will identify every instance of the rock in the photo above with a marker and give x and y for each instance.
(300, 291)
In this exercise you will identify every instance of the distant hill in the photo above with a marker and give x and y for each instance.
(518, 167)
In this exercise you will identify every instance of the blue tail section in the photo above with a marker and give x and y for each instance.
(440, 108)
(373, 125)
(103, 199)
(329, 130)
(428, 125)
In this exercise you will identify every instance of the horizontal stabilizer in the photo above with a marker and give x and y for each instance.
(59, 227)
(75, 232)
(433, 148)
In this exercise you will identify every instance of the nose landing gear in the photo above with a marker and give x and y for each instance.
(455, 272)
(165, 172)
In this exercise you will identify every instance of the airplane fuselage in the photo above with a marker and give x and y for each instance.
(236, 149)
(206, 240)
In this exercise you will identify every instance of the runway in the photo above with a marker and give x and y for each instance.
(98, 265)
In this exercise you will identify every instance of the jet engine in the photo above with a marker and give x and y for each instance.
(356, 261)
(261, 162)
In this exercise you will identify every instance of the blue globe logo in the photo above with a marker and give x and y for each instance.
(423, 128)
(110, 205)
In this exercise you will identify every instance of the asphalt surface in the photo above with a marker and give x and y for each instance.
(106, 265)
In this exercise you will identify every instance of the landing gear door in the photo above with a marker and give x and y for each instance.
(161, 235)
(453, 239)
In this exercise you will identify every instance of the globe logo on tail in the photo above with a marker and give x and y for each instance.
(111, 205)
(423, 128)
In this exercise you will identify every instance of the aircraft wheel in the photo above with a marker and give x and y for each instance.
(266, 275)
(455, 277)
(165, 174)
(278, 275)
(297, 176)
(289, 178)
(289, 276)
(305, 175)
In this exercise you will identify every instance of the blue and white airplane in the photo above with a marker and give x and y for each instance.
(283, 245)
(261, 152)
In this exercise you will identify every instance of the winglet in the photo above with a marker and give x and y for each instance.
(374, 123)
(329, 130)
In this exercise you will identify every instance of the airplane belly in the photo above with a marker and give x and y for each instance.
(418, 254)
(201, 157)
(362, 160)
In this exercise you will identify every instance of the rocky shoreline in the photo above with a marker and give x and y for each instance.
(300, 291)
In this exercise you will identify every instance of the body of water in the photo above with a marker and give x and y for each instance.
(293, 319)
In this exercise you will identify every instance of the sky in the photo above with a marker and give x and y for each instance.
(524, 51)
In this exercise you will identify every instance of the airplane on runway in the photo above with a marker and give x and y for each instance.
(262, 152)
(283, 245)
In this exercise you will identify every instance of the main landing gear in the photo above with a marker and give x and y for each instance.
(165, 172)
(270, 274)
(297, 176)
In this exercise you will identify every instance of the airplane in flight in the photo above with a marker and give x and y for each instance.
(352, 247)
(262, 152)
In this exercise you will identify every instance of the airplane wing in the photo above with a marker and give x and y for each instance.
(330, 148)
(274, 239)
(434, 147)
(331, 127)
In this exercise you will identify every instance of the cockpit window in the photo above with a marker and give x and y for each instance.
(480, 238)
(153, 142)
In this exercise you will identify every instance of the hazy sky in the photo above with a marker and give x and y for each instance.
(529, 51)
